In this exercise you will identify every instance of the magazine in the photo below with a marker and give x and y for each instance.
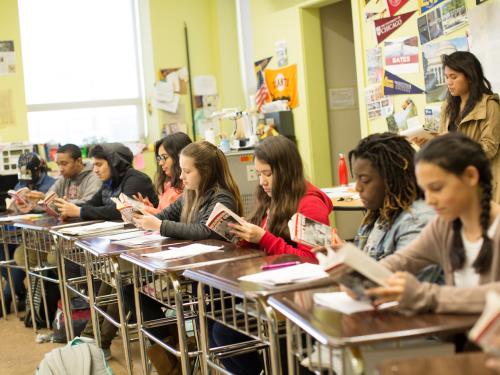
(309, 232)
(354, 269)
(49, 204)
(20, 197)
(219, 221)
(486, 331)
(128, 207)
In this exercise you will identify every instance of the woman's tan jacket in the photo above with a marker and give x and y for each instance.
(432, 246)
(482, 124)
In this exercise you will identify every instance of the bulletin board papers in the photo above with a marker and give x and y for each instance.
(6, 109)
(485, 36)
(204, 85)
(377, 104)
(7, 58)
(374, 65)
(401, 55)
(442, 20)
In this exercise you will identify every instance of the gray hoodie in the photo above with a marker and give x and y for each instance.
(79, 189)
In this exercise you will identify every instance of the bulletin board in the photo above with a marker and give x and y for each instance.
(402, 42)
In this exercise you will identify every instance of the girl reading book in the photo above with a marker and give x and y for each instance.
(282, 192)
(464, 239)
(207, 181)
(168, 183)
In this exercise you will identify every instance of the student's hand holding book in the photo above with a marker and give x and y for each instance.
(396, 286)
(142, 199)
(35, 195)
(247, 231)
(147, 222)
(67, 209)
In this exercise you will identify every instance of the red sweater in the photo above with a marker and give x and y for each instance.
(314, 204)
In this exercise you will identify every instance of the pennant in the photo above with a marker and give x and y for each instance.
(393, 85)
(386, 26)
(282, 84)
(426, 5)
(395, 5)
(262, 64)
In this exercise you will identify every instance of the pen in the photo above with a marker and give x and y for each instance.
(267, 267)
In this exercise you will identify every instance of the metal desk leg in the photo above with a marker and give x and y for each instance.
(30, 279)
(121, 313)
(181, 325)
(289, 348)
(90, 291)
(140, 319)
(203, 335)
(274, 344)
(11, 284)
(65, 299)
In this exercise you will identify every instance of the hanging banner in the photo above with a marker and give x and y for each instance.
(395, 5)
(282, 84)
(425, 5)
(386, 26)
(393, 85)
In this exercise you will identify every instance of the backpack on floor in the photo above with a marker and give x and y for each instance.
(80, 315)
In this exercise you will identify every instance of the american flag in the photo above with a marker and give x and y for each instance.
(262, 94)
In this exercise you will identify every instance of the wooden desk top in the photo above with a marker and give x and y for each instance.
(46, 223)
(102, 247)
(335, 329)
(225, 276)
(458, 364)
(347, 205)
(229, 253)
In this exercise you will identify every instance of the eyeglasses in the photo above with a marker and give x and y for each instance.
(163, 158)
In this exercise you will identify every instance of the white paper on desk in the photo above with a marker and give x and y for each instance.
(124, 235)
(341, 191)
(92, 228)
(183, 252)
(342, 302)
(287, 275)
(145, 238)
(20, 217)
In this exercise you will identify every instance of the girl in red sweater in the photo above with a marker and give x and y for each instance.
(282, 191)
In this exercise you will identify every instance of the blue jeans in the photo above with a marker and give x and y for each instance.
(17, 276)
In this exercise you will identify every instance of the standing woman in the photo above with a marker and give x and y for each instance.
(168, 183)
(472, 109)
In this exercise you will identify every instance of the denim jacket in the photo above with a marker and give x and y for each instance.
(405, 228)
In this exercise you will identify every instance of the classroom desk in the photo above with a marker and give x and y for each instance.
(458, 364)
(344, 198)
(101, 261)
(252, 316)
(347, 204)
(37, 239)
(163, 281)
(9, 235)
(307, 324)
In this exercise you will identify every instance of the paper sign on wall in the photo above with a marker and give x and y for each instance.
(401, 55)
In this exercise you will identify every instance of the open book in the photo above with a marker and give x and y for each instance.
(219, 221)
(416, 129)
(354, 269)
(20, 197)
(486, 331)
(128, 207)
(309, 232)
(49, 205)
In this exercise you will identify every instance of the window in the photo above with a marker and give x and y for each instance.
(81, 70)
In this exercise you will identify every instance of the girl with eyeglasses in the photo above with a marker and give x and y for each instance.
(168, 181)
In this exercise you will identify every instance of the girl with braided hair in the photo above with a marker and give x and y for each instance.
(464, 239)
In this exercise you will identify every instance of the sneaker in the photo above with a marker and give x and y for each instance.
(163, 361)
(107, 354)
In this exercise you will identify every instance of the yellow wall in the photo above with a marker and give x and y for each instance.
(9, 30)
(299, 25)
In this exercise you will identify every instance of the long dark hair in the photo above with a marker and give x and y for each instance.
(454, 152)
(392, 156)
(212, 165)
(288, 186)
(467, 64)
(173, 144)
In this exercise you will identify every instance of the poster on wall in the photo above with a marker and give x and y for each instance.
(425, 5)
(282, 84)
(386, 26)
(393, 85)
(374, 65)
(377, 104)
(7, 58)
(435, 82)
(432, 117)
(485, 33)
(398, 121)
(395, 5)
(453, 15)
(401, 55)
(430, 26)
